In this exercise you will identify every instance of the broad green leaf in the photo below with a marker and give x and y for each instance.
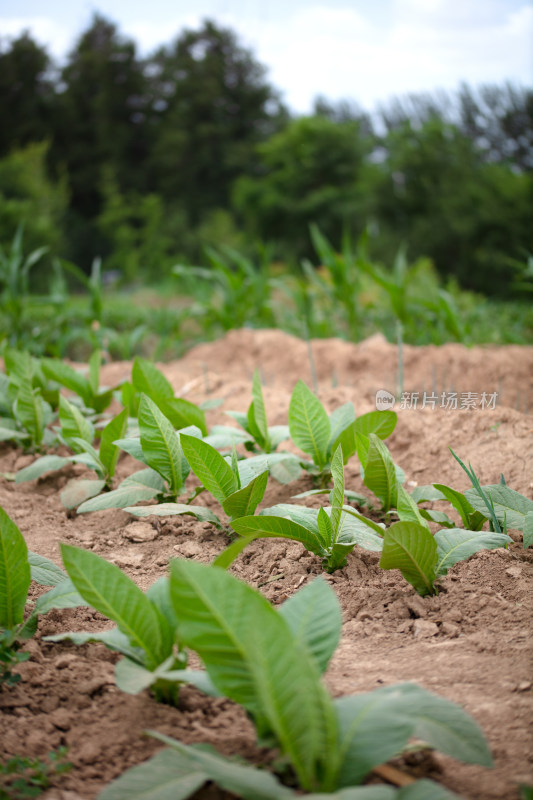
(259, 410)
(161, 445)
(457, 544)
(124, 496)
(245, 501)
(509, 506)
(146, 477)
(41, 466)
(337, 495)
(166, 776)
(30, 411)
(342, 430)
(309, 424)
(380, 473)
(159, 595)
(174, 509)
(112, 638)
(240, 418)
(8, 434)
(44, 571)
(113, 594)
(377, 725)
(286, 463)
(63, 595)
(109, 451)
(278, 434)
(424, 790)
(528, 529)
(356, 529)
(74, 425)
(314, 616)
(68, 377)
(242, 780)
(148, 380)
(461, 504)
(381, 423)
(14, 573)
(252, 657)
(412, 549)
(286, 470)
(182, 413)
(133, 448)
(325, 530)
(209, 467)
(437, 516)
(427, 494)
(407, 508)
(95, 362)
(78, 491)
(279, 528)
(307, 517)
(92, 459)
(362, 445)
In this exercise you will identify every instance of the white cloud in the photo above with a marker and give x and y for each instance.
(56, 37)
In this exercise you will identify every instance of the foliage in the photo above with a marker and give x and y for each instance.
(263, 438)
(22, 777)
(270, 661)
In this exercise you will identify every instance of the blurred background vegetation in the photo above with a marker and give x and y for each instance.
(189, 157)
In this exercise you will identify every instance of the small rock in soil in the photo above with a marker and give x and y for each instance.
(425, 629)
(140, 532)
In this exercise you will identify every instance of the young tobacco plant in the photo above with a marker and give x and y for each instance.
(78, 433)
(25, 402)
(93, 396)
(264, 439)
(319, 435)
(146, 631)
(331, 533)
(18, 567)
(270, 661)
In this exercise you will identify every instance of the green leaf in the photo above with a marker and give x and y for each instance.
(209, 467)
(413, 550)
(87, 455)
(174, 509)
(258, 410)
(112, 638)
(30, 411)
(69, 378)
(337, 495)
(309, 424)
(14, 573)
(166, 776)
(325, 530)
(125, 495)
(133, 448)
(41, 466)
(314, 616)
(63, 595)
(460, 503)
(113, 594)
(109, 451)
(437, 516)
(381, 423)
(356, 529)
(528, 529)
(74, 425)
(78, 491)
(362, 445)
(380, 473)
(182, 413)
(148, 380)
(145, 477)
(11, 434)
(242, 780)
(246, 500)
(427, 494)
(161, 445)
(424, 790)
(408, 510)
(279, 528)
(44, 571)
(252, 657)
(457, 545)
(342, 430)
(509, 506)
(377, 725)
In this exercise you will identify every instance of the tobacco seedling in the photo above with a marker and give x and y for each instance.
(319, 435)
(78, 433)
(331, 533)
(254, 422)
(270, 661)
(146, 626)
(422, 557)
(18, 567)
(93, 396)
(24, 402)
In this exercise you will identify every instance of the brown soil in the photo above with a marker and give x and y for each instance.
(470, 643)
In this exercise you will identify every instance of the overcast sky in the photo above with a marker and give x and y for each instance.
(342, 49)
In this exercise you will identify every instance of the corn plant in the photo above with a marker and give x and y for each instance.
(14, 283)
(270, 661)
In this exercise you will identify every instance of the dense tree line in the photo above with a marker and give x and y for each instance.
(145, 161)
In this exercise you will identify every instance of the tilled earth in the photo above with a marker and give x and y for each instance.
(471, 643)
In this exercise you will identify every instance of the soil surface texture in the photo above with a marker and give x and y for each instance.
(471, 643)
